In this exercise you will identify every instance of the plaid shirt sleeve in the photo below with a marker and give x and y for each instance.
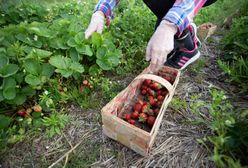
(107, 7)
(183, 12)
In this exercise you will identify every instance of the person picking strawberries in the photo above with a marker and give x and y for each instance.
(174, 42)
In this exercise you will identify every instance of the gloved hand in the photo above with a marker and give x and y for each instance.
(160, 44)
(96, 24)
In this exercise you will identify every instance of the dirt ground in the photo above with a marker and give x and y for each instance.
(175, 145)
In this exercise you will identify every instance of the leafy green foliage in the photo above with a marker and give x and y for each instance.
(235, 62)
(237, 70)
(229, 126)
(30, 52)
(55, 123)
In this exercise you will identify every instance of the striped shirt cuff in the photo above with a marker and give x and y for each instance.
(179, 19)
(106, 9)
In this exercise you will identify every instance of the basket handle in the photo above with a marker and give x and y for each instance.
(158, 79)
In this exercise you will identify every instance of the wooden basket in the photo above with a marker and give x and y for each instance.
(129, 135)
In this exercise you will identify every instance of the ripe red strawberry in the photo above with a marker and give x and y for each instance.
(159, 93)
(164, 93)
(160, 98)
(138, 107)
(37, 108)
(127, 117)
(22, 113)
(147, 82)
(152, 101)
(131, 121)
(159, 103)
(135, 114)
(140, 102)
(143, 87)
(85, 82)
(168, 78)
(150, 112)
(142, 117)
(156, 111)
(156, 86)
(145, 108)
(143, 92)
(150, 92)
(151, 120)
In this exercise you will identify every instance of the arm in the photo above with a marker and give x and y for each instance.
(104, 8)
(183, 12)
(107, 7)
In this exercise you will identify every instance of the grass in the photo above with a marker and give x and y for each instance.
(217, 12)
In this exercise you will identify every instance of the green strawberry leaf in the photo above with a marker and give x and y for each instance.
(32, 66)
(47, 70)
(1, 96)
(79, 38)
(60, 62)
(104, 64)
(4, 121)
(9, 82)
(88, 51)
(3, 61)
(28, 91)
(42, 53)
(8, 70)
(76, 66)
(96, 39)
(74, 55)
(9, 93)
(19, 99)
(101, 52)
(32, 80)
(71, 42)
(94, 70)
(64, 73)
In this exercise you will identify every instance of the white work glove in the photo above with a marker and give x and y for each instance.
(96, 24)
(160, 44)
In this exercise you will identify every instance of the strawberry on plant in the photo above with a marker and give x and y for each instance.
(22, 113)
(85, 82)
(60, 88)
(127, 117)
(135, 114)
(142, 117)
(151, 120)
(131, 121)
(37, 108)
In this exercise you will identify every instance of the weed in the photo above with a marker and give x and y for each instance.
(55, 123)
(177, 104)
(229, 137)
